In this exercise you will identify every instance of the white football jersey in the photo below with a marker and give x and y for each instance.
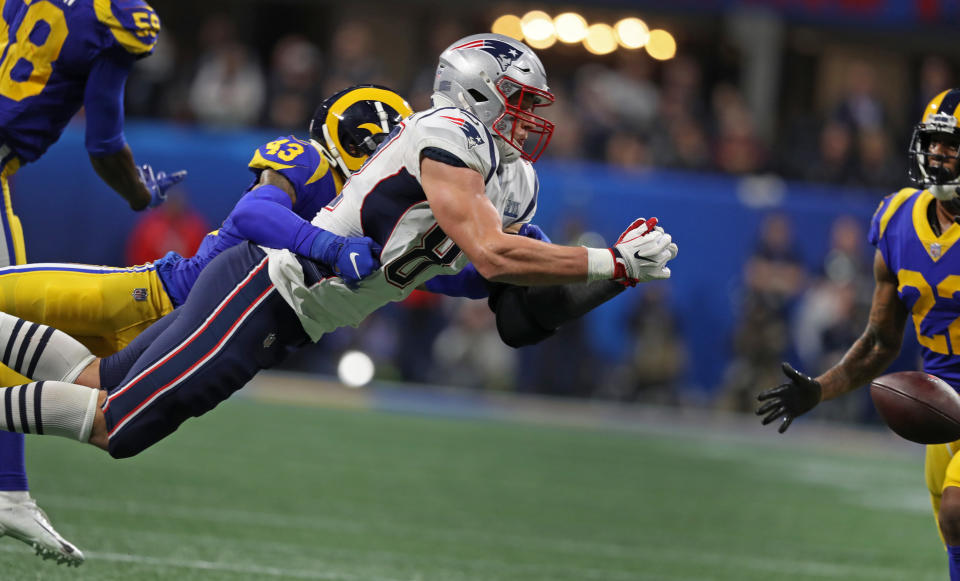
(385, 201)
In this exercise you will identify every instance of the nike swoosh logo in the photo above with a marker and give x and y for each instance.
(637, 256)
(353, 261)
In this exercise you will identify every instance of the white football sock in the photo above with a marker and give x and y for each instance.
(49, 407)
(40, 352)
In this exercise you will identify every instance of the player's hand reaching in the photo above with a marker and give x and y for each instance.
(789, 400)
(642, 252)
(158, 183)
(352, 258)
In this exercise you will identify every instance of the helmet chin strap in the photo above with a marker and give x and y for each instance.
(333, 152)
(463, 101)
(508, 152)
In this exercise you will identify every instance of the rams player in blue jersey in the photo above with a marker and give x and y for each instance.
(56, 57)
(105, 308)
(917, 272)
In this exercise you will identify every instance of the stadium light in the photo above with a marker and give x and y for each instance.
(632, 32)
(661, 45)
(542, 44)
(571, 27)
(600, 39)
(508, 25)
(537, 26)
(355, 369)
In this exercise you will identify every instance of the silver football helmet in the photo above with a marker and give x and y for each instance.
(502, 82)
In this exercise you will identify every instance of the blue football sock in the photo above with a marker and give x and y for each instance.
(954, 562)
(13, 471)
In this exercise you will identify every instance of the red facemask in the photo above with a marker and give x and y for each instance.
(515, 119)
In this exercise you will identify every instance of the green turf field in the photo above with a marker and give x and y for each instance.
(256, 491)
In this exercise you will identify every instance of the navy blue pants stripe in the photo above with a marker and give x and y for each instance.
(217, 342)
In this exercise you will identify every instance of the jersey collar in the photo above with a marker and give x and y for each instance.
(936, 246)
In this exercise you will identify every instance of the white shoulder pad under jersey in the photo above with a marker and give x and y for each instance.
(385, 201)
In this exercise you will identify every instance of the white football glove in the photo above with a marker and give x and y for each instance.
(642, 252)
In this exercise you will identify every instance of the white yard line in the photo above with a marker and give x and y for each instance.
(200, 565)
(482, 567)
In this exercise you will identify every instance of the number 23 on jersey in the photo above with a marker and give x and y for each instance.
(925, 303)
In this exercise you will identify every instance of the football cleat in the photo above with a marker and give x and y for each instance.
(22, 519)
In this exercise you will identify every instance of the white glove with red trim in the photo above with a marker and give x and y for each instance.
(642, 252)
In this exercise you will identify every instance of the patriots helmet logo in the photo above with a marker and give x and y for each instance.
(503, 52)
(473, 136)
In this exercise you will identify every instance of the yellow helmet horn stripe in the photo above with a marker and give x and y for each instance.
(947, 102)
(373, 128)
(362, 94)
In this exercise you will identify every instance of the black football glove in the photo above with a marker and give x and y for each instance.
(789, 400)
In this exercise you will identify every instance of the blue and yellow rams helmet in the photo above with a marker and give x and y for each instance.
(350, 125)
(928, 169)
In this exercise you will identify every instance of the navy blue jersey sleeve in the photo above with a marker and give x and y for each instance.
(103, 101)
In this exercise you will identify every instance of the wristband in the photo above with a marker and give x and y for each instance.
(600, 264)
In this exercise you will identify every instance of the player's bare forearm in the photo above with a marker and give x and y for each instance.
(528, 262)
(459, 203)
(865, 360)
(119, 172)
(879, 344)
(269, 177)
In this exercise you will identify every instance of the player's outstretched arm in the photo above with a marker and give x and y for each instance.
(265, 216)
(140, 186)
(457, 198)
(867, 358)
(110, 155)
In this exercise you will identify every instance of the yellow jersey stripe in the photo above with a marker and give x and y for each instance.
(898, 199)
(925, 233)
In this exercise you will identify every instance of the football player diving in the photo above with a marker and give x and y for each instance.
(107, 307)
(915, 268)
(431, 196)
(57, 58)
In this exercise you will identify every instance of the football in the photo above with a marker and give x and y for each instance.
(918, 406)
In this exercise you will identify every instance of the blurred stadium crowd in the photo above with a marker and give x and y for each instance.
(837, 112)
